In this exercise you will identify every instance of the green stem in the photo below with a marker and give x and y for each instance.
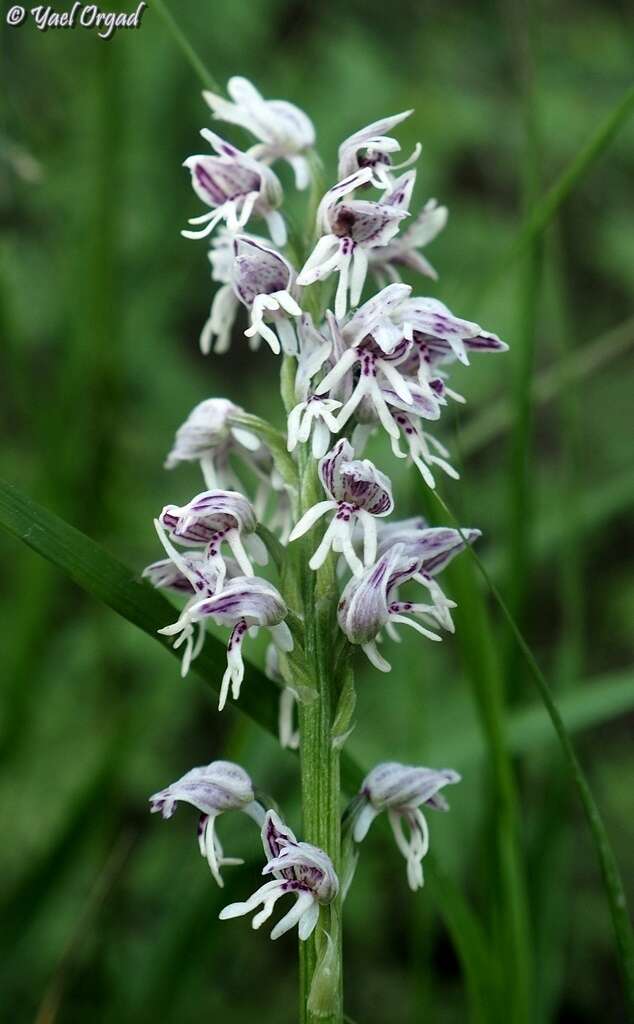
(545, 209)
(186, 47)
(520, 491)
(319, 761)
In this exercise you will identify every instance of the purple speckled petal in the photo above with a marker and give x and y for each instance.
(217, 180)
(363, 485)
(366, 223)
(433, 547)
(258, 270)
(276, 836)
(248, 598)
(212, 789)
(330, 468)
(405, 786)
(364, 606)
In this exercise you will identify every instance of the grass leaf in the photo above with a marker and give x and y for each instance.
(545, 210)
(610, 872)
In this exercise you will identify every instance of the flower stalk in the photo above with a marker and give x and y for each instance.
(319, 765)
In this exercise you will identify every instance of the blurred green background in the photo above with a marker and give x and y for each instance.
(109, 914)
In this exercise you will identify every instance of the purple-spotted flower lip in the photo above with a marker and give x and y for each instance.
(299, 869)
(376, 382)
(349, 228)
(212, 789)
(402, 790)
(285, 131)
(295, 861)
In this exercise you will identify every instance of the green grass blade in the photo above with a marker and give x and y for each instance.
(547, 385)
(611, 875)
(589, 703)
(595, 509)
(520, 505)
(102, 789)
(183, 42)
(481, 971)
(509, 906)
(546, 209)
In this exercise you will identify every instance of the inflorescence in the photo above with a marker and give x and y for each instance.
(359, 368)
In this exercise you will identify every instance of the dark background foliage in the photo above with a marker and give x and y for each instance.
(109, 915)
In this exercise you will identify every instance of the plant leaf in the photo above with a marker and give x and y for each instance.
(545, 210)
(610, 872)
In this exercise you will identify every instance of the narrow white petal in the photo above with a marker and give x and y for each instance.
(362, 824)
(239, 553)
(310, 517)
(375, 658)
(303, 904)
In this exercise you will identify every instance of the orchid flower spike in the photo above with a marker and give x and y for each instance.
(298, 868)
(211, 519)
(285, 132)
(403, 251)
(350, 229)
(372, 147)
(243, 603)
(263, 280)
(209, 437)
(402, 790)
(213, 789)
(235, 186)
(357, 492)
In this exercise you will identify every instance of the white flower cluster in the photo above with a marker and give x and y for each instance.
(360, 364)
(363, 366)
